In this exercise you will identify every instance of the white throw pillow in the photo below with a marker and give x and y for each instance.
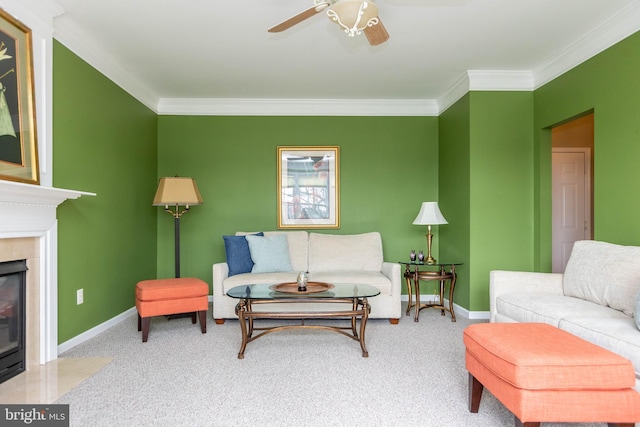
(603, 273)
(270, 254)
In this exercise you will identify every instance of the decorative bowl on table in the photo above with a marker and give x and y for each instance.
(292, 287)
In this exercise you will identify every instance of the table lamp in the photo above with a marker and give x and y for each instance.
(177, 191)
(429, 215)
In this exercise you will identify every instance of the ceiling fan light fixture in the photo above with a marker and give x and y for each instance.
(353, 16)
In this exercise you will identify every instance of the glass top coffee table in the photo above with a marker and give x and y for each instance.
(355, 295)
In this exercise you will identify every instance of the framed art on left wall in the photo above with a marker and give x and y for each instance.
(18, 141)
(309, 187)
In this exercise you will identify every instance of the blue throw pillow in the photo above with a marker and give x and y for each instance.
(270, 254)
(636, 312)
(238, 254)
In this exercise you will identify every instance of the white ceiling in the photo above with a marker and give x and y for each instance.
(170, 51)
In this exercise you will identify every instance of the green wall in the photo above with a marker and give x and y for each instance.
(495, 168)
(486, 188)
(501, 188)
(609, 85)
(104, 141)
(486, 159)
(388, 166)
(454, 201)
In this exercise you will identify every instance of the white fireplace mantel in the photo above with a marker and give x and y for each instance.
(30, 211)
(19, 193)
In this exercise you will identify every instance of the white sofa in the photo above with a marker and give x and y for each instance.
(594, 299)
(332, 258)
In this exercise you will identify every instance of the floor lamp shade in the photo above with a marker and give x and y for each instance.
(177, 191)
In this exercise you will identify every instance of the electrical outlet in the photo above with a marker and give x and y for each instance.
(79, 296)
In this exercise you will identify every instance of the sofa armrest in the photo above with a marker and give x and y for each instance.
(220, 272)
(502, 282)
(392, 271)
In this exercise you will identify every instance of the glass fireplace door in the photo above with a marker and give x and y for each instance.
(12, 318)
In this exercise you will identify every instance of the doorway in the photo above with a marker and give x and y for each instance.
(572, 187)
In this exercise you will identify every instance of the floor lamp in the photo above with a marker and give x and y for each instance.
(177, 191)
(429, 215)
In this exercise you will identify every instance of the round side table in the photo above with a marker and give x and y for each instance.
(416, 271)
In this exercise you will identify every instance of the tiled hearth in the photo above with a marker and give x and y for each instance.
(44, 384)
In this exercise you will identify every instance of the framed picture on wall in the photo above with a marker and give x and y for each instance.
(309, 187)
(18, 142)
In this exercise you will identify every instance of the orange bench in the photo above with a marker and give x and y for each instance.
(544, 374)
(163, 297)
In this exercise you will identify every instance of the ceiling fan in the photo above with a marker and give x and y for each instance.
(353, 16)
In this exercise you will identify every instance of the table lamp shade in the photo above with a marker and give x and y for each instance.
(429, 215)
(177, 191)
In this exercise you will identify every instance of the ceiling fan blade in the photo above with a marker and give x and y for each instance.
(376, 34)
(305, 14)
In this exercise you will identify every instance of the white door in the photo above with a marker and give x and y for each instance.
(571, 203)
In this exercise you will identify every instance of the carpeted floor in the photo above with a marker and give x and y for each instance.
(414, 376)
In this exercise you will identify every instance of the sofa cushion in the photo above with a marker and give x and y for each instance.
(269, 253)
(298, 247)
(238, 254)
(550, 308)
(617, 335)
(604, 273)
(355, 252)
(373, 278)
(636, 312)
(258, 278)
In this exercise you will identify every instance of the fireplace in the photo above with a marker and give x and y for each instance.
(12, 318)
(28, 231)
(28, 223)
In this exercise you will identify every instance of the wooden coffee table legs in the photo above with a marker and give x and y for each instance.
(360, 310)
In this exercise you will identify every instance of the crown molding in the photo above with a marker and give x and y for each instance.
(610, 32)
(39, 14)
(486, 80)
(297, 107)
(457, 91)
(501, 80)
(604, 36)
(76, 40)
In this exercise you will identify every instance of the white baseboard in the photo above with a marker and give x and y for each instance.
(87, 335)
(91, 333)
(460, 311)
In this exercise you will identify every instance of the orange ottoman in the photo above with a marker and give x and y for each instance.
(163, 297)
(544, 374)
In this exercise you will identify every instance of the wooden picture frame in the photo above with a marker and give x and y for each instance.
(18, 141)
(309, 187)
